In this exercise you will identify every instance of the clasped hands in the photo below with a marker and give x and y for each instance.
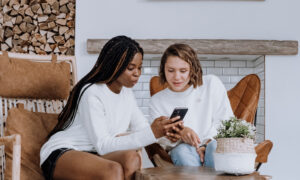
(163, 126)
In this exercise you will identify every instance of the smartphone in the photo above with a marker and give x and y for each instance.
(179, 111)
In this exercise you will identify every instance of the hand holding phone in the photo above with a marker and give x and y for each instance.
(179, 111)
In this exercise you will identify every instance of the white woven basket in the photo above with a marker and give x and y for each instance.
(235, 155)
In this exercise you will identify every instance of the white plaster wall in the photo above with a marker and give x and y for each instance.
(214, 19)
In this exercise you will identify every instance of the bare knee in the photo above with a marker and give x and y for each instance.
(114, 171)
(132, 162)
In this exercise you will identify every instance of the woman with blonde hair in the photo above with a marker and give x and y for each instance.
(204, 96)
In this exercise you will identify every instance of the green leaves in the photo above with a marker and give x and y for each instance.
(236, 128)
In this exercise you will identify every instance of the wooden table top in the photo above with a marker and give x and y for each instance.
(172, 173)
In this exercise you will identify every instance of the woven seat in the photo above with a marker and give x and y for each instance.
(45, 95)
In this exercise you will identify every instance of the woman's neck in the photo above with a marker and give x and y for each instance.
(115, 87)
(181, 90)
(180, 93)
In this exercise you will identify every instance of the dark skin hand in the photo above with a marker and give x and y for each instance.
(163, 124)
(174, 135)
(186, 134)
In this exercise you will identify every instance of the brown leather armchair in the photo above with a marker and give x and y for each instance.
(243, 99)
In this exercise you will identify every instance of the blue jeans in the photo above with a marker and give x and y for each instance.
(186, 155)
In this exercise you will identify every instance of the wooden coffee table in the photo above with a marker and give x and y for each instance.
(172, 173)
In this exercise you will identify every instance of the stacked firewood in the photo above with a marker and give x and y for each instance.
(37, 26)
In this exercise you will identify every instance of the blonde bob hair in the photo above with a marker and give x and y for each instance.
(186, 53)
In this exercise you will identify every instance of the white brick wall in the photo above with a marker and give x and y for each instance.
(230, 72)
(259, 69)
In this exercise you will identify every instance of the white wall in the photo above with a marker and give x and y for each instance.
(213, 19)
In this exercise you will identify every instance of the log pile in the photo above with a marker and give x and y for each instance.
(37, 26)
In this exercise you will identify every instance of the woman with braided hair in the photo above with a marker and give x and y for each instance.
(87, 142)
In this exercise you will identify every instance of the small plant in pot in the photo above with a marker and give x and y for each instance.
(235, 153)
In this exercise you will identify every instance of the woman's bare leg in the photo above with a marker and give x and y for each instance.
(82, 165)
(130, 161)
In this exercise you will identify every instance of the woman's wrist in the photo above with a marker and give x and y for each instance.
(203, 145)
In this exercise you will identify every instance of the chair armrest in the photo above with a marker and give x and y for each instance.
(155, 148)
(16, 160)
(159, 162)
(262, 150)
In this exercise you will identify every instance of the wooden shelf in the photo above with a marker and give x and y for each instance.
(211, 46)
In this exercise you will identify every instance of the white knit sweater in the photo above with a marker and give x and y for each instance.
(207, 105)
(101, 116)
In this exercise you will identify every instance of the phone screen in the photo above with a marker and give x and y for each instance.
(179, 111)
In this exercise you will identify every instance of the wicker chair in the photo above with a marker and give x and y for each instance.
(244, 100)
(45, 105)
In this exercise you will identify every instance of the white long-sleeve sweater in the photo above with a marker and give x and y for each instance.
(101, 116)
(207, 105)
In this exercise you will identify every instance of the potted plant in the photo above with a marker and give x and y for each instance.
(235, 153)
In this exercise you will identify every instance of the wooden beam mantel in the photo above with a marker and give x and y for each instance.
(211, 46)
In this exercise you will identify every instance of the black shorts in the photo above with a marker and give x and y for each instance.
(49, 164)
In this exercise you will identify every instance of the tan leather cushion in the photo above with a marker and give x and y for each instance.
(244, 97)
(155, 85)
(22, 78)
(33, 128)
(263, 150)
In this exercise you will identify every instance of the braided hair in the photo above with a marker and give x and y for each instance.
(113, 59)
